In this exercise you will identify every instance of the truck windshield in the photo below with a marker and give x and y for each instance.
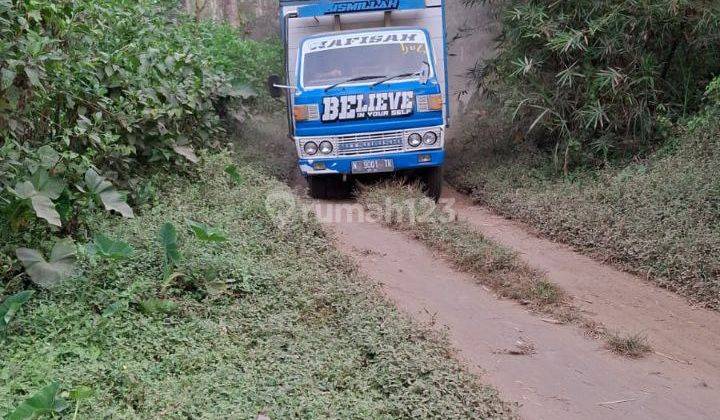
(332, 60)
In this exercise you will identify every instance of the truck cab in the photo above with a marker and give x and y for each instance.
(366, 89)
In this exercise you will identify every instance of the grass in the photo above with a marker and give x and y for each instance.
(631, 345)
(494, 266)
(406, 209)
(273, 321)
(658, 218)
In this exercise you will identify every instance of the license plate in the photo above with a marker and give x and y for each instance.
(373, 166)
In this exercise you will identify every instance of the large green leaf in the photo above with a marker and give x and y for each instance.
(43, 402)
(109, 248)
(9, 308)
(206, 233)
(232, 171)
(41, 204)
(7, 76)
(168, 240)
(34, 76)
(108, 195)
(49, 274)
(47, 185)
(48, 156)
(187, 152)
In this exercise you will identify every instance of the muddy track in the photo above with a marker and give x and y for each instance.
(560, 372)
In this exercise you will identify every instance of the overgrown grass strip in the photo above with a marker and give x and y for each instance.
(405, 208)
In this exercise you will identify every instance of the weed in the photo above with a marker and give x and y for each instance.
(43, 403)
(522, 348)
(628, 345)
(10, 307)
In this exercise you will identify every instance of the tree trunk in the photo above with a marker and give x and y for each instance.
(230, 13)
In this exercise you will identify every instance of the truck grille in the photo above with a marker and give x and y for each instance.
(370, 143)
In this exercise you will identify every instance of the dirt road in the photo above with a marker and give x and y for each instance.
(568, 375)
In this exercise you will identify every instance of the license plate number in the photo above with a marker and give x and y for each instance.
(373, 166)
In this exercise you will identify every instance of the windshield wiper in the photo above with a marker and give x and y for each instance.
(397, 76)
(354, 79)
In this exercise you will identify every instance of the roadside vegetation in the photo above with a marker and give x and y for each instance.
(142, 274)
(597, 125)
(215, 310)
(406, 209)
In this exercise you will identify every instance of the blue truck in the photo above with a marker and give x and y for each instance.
(366, 86)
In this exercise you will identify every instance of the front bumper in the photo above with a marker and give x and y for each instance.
(402, 160)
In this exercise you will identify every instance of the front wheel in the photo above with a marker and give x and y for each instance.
(432, 180)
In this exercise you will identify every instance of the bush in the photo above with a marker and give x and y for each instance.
(603, 77)
(110, 85)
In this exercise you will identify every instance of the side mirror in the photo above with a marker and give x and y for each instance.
(273, 83)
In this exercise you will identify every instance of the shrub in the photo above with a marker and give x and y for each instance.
(602, 77)
(109, 86)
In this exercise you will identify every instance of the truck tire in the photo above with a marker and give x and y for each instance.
(323, 187)
(432, 180)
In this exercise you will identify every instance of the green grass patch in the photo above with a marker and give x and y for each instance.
(272, 320)
(405, 208)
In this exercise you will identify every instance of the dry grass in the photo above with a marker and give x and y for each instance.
(522, 348)
(628, 345)
(406, 209)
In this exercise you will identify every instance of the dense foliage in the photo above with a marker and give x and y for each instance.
(93, 91)
(603, 78)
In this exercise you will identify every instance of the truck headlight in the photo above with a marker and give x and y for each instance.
(326, 148)
(311, 148)
(430, 138)
(415, 140)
